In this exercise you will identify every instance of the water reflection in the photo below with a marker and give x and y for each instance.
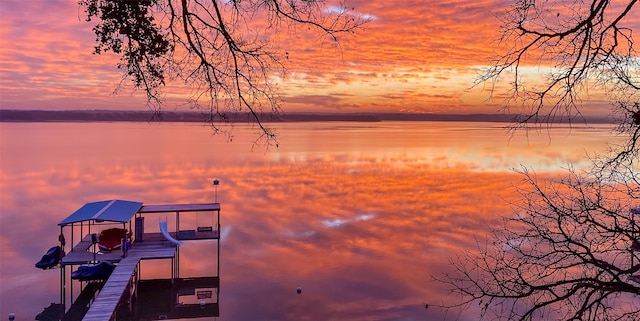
(359, 217)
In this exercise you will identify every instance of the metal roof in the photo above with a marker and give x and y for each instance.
(111, 210)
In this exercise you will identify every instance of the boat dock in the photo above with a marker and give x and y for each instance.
(121, 287)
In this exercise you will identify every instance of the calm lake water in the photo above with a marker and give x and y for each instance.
(360, 215)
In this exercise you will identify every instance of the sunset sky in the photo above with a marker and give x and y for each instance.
(414, 56)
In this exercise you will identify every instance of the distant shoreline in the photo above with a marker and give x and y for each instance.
(11, 115)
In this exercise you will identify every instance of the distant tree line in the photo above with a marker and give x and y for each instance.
(10, 115)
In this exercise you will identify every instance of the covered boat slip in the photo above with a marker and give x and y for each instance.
(92, 216)
(136, 246)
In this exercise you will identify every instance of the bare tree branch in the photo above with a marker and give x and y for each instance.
(584, 44)
(220, 49)
(569, 253)
(571, 249)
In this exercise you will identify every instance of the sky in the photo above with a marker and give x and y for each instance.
(413, 56)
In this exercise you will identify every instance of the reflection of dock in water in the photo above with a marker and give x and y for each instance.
(124, 295)
(80, 306)
(186, 298)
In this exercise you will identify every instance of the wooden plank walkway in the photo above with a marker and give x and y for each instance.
(107, 301)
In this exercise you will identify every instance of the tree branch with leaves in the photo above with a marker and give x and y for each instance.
(222, 50)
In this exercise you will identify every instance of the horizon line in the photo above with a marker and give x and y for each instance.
(98, 115)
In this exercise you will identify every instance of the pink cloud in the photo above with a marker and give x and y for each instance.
(46, 60)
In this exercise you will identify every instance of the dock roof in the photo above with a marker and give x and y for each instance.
(110, 210)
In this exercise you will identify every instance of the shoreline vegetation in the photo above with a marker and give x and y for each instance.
(13, 115)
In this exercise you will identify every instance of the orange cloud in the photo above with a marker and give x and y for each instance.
(427, 54)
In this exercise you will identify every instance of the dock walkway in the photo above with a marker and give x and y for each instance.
(105, 304)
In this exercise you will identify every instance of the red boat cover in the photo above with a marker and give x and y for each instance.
(111, 239)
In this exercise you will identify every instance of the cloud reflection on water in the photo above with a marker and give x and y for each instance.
(359, 243)
(360, 233)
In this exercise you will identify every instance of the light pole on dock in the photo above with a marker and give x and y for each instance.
(216, 182)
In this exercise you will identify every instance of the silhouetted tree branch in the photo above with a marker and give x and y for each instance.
(570, 251)
(585, 45)
(220, 49)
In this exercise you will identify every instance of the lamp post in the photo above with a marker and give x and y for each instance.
(216, 182)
